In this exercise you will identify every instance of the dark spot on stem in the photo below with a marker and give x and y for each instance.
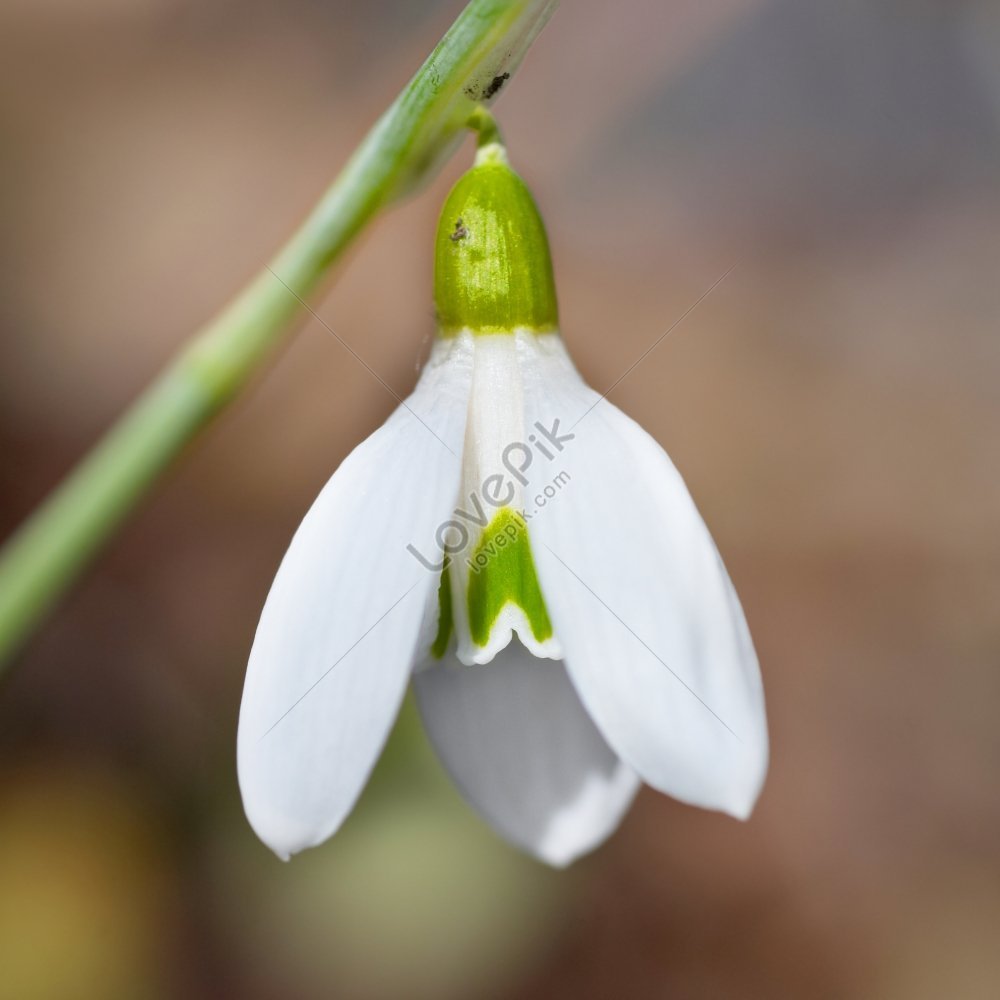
(495, 84)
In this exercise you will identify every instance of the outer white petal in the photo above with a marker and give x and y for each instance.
(524, 752)
(654, 636)
(338, 635)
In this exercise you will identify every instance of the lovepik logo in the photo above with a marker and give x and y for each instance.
(498, 491)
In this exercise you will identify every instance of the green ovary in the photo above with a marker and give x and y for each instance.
(492, 268)
(502, 571)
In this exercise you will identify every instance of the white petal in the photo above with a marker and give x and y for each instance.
(496, 420)
(339, 632)
(523, 751)
(653, 633)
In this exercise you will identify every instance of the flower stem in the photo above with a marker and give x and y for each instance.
(482, 122)
(412, 138)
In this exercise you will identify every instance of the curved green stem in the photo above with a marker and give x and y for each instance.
(483, 122)
(414, 136)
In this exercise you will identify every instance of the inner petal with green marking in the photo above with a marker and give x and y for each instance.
(503, 573)
(490, 591)
(498, 595)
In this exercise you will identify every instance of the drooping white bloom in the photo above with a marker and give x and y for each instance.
(531, 558)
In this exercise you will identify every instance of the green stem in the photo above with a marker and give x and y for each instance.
(414, 136)
(483, 123)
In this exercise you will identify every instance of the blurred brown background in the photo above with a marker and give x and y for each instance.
(833, 405)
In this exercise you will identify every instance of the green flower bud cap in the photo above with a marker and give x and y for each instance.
(492, 268)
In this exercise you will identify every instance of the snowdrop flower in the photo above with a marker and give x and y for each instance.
(530, 557)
